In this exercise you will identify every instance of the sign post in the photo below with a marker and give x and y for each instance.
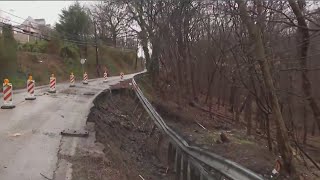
(82, 61)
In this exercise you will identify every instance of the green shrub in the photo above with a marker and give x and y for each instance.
(42, 46)
(35, 46)
(69, 50)
(8, 53)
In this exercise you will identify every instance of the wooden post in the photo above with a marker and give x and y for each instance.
(193, 172)
(171, 156)
(184, 164)
(178, 165)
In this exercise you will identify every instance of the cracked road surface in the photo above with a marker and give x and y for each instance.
(30, 139)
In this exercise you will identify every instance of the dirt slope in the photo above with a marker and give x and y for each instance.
(133, 147)
(41, 66)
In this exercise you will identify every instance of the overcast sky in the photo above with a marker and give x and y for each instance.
(49, 10)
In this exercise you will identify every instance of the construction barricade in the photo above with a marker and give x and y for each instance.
(105, 76)
(72, 80)
(121, 75)
(7, 95)
(30, 89)
(85, 78)
(52, 84)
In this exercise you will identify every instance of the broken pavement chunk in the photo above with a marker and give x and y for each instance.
(89, 93)
(75, 133)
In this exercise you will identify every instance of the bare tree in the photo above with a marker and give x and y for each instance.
(282, 136)
(111, 18)
(304, 38)
(231, 55)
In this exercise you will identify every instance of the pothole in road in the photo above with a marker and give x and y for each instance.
(134, 148)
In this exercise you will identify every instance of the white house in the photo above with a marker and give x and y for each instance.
(30, 30)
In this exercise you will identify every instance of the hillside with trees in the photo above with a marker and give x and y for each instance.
(60, 49)
(251, 65)
(239, 78)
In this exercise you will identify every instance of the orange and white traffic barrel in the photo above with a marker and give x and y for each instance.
(52, 84)
(105, 76)
(85, 78)
(72, 80)
(30, 88)
(7, 95)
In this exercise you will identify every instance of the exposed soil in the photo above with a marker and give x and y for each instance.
(41, 66)
(134, 149)
(200, 128)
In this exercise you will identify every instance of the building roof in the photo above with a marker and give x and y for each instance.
(29, 22)
(40, 21)
(29, 25)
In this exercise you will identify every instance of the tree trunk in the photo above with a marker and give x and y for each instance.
(290, 104)
(248, 114)
(282, 136)
(219, 91)
(224, 94)
(313, 132)
(136, 61)
(144, 44)
(210, 86)
(268, 132)
(236, 107)
(114, 39)
(154, 64)
(192, 73)
(305, 125)
(96, 47)
(303, 32)
(233, 91)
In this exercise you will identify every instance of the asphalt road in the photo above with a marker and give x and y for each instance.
(30, 139)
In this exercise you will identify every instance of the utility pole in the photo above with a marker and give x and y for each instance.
(96, 42)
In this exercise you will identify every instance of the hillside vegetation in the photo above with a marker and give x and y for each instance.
(42, 64)
(59, 52)
(42, 58)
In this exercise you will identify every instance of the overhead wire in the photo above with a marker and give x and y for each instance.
(40, 36)
(47, 36)
(69, 34)
(70, 40)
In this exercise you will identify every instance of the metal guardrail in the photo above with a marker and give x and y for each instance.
(222, 166)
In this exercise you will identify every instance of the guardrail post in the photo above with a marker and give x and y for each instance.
(194, 174)
(175, 160)
(171, 156)
(178, 165)
(184, 164)
(203, 177)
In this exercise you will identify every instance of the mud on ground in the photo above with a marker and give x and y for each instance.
(134, 149)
